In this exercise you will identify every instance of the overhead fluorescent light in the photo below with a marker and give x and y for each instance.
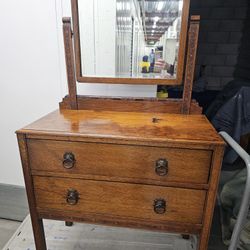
(119, 6)
(156, 19)
(160, 6)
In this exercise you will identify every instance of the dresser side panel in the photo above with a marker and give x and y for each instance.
(211, 196)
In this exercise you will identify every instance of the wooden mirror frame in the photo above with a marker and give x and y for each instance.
(144, 81)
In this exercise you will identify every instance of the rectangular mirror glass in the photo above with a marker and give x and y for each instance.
(130, 39)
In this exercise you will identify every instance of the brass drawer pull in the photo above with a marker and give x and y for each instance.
(69, 160)
(161, 167)
(160, 206)
(72, 197)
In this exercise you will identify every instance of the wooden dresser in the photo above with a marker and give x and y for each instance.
(143, 170)
(133, 162)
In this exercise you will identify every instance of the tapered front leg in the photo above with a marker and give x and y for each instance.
(38, 232)
(37, 223)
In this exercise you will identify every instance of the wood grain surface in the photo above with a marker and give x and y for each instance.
(129, 126)
(37, 223)
(120, 200)
(190, 63)
(118, 104)
(70, 65)
(137, 163)
(211, 196)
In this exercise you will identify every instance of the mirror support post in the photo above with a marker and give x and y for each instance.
(193, 35)
(70, 62)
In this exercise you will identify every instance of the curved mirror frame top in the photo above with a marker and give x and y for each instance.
(144, 70)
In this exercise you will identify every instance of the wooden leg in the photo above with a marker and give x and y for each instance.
(38, 232)
(37, 223)
(185, 236)
(68, 223)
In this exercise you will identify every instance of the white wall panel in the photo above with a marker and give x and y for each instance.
(29, 74)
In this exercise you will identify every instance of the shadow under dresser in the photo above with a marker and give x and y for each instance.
(142, 170)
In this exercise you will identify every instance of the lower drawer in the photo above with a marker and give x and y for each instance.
(119, 200)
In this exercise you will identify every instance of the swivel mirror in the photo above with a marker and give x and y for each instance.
(130, 41)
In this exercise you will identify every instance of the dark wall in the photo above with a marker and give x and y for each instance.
(243, 63)
(221, 30)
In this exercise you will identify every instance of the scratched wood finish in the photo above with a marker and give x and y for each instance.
(133, 163)
(37, 222)
(211, 197)
(144, 81)
(131, 133)
(190, 64)
(127, 126)
(69, 59)
(149, 105)
(120, 200)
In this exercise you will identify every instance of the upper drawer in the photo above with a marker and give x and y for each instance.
(142, 163)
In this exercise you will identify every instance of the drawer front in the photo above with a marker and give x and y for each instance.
(120, 200)
(122, 161)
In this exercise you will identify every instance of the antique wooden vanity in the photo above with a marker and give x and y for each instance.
(133, 162)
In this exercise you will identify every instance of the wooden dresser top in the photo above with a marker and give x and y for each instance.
(129, 126)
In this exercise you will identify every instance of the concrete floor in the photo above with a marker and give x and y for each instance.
(7, 229)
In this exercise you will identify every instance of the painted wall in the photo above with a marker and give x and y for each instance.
(32, 73)
(97, 30)
(170, 42)
(30, 77)
(170, 50)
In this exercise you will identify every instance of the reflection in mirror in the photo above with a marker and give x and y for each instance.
(130, 38)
